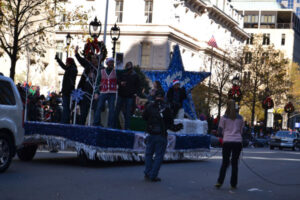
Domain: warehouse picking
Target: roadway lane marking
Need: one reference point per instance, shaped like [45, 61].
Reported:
[262, 158]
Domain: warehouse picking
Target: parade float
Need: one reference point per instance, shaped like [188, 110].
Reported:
[100, 143]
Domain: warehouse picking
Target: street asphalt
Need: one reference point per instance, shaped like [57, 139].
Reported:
[263, 174]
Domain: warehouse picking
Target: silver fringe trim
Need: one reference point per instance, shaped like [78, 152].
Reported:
[111, 154]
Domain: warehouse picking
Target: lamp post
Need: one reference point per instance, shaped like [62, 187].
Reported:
[68, 41]
[114, 34]
[95, 28]
[235, 92]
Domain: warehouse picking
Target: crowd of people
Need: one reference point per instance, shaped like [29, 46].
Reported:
[104, 88]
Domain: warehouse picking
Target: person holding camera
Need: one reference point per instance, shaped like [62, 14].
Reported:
[158, 117]
[68, 85]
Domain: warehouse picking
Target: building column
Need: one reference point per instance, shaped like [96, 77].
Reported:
[259, 18]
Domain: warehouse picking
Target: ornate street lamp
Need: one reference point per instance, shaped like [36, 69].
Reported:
[235, 81]
[235, 92]
[68, 41]
[114, 34]
[95, 28]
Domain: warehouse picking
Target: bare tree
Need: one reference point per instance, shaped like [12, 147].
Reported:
[28, 23]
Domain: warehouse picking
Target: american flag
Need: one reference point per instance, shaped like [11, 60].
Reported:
[212, 42]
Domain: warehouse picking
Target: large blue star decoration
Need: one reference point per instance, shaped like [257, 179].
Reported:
[176, 72]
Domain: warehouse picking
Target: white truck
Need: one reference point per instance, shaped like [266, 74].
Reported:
[11, 121]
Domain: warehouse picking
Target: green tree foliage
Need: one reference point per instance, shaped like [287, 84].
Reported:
[265, 74]
[28, 24]
[295, 88]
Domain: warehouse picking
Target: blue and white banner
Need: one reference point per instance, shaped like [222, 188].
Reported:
[111, 144]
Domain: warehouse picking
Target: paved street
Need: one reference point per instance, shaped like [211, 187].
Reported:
[60, 176]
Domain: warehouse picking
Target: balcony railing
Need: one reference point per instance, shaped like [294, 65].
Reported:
[269, 26]
[284, 25]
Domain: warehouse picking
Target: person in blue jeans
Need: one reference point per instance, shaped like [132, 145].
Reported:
[107, 87]
[129, 84]
[159, 119]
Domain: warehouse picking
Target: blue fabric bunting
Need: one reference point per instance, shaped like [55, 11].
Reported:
[107, 137]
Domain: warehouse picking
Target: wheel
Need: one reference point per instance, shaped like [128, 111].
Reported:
[27, 153]
[293, 148]
[6, 151]
[271, 147]
[297, 146]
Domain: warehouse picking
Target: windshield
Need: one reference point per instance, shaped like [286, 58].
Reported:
[286, 134]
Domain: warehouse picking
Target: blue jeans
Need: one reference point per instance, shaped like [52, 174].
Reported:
[155, 144]
[111, 98]
[127, 104]
[65, 119]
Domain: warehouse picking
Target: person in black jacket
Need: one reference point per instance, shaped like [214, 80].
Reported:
[175, 97]
[87, 80]
[68, 86]
[129, 85]
[159, 119]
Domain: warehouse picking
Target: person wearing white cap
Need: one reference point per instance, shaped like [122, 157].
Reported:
[107, 87]
[175, 97]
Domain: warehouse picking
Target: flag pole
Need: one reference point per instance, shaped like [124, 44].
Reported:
[209, 84]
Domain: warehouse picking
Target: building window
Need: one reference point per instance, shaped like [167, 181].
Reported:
[146, 49]
[148, 10]
[63, 17]
[290, 4]
[119, 10]
[298, 11]
[59, 48]
[266, 39]
[268, 19]
[251, 21]
[248, 58]
[283, 39]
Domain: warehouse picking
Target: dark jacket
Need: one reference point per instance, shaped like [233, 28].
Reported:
[132, 84]
[182, 96]
[159, 119]
[69, 78]
[85, 83]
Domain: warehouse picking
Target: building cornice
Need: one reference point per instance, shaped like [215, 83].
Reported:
[216, 12]
[242, 32]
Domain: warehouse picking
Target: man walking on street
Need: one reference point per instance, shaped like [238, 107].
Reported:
[159, 119]
[68, 86]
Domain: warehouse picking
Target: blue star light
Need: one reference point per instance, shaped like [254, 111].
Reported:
[77, 95]
[176, 72]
